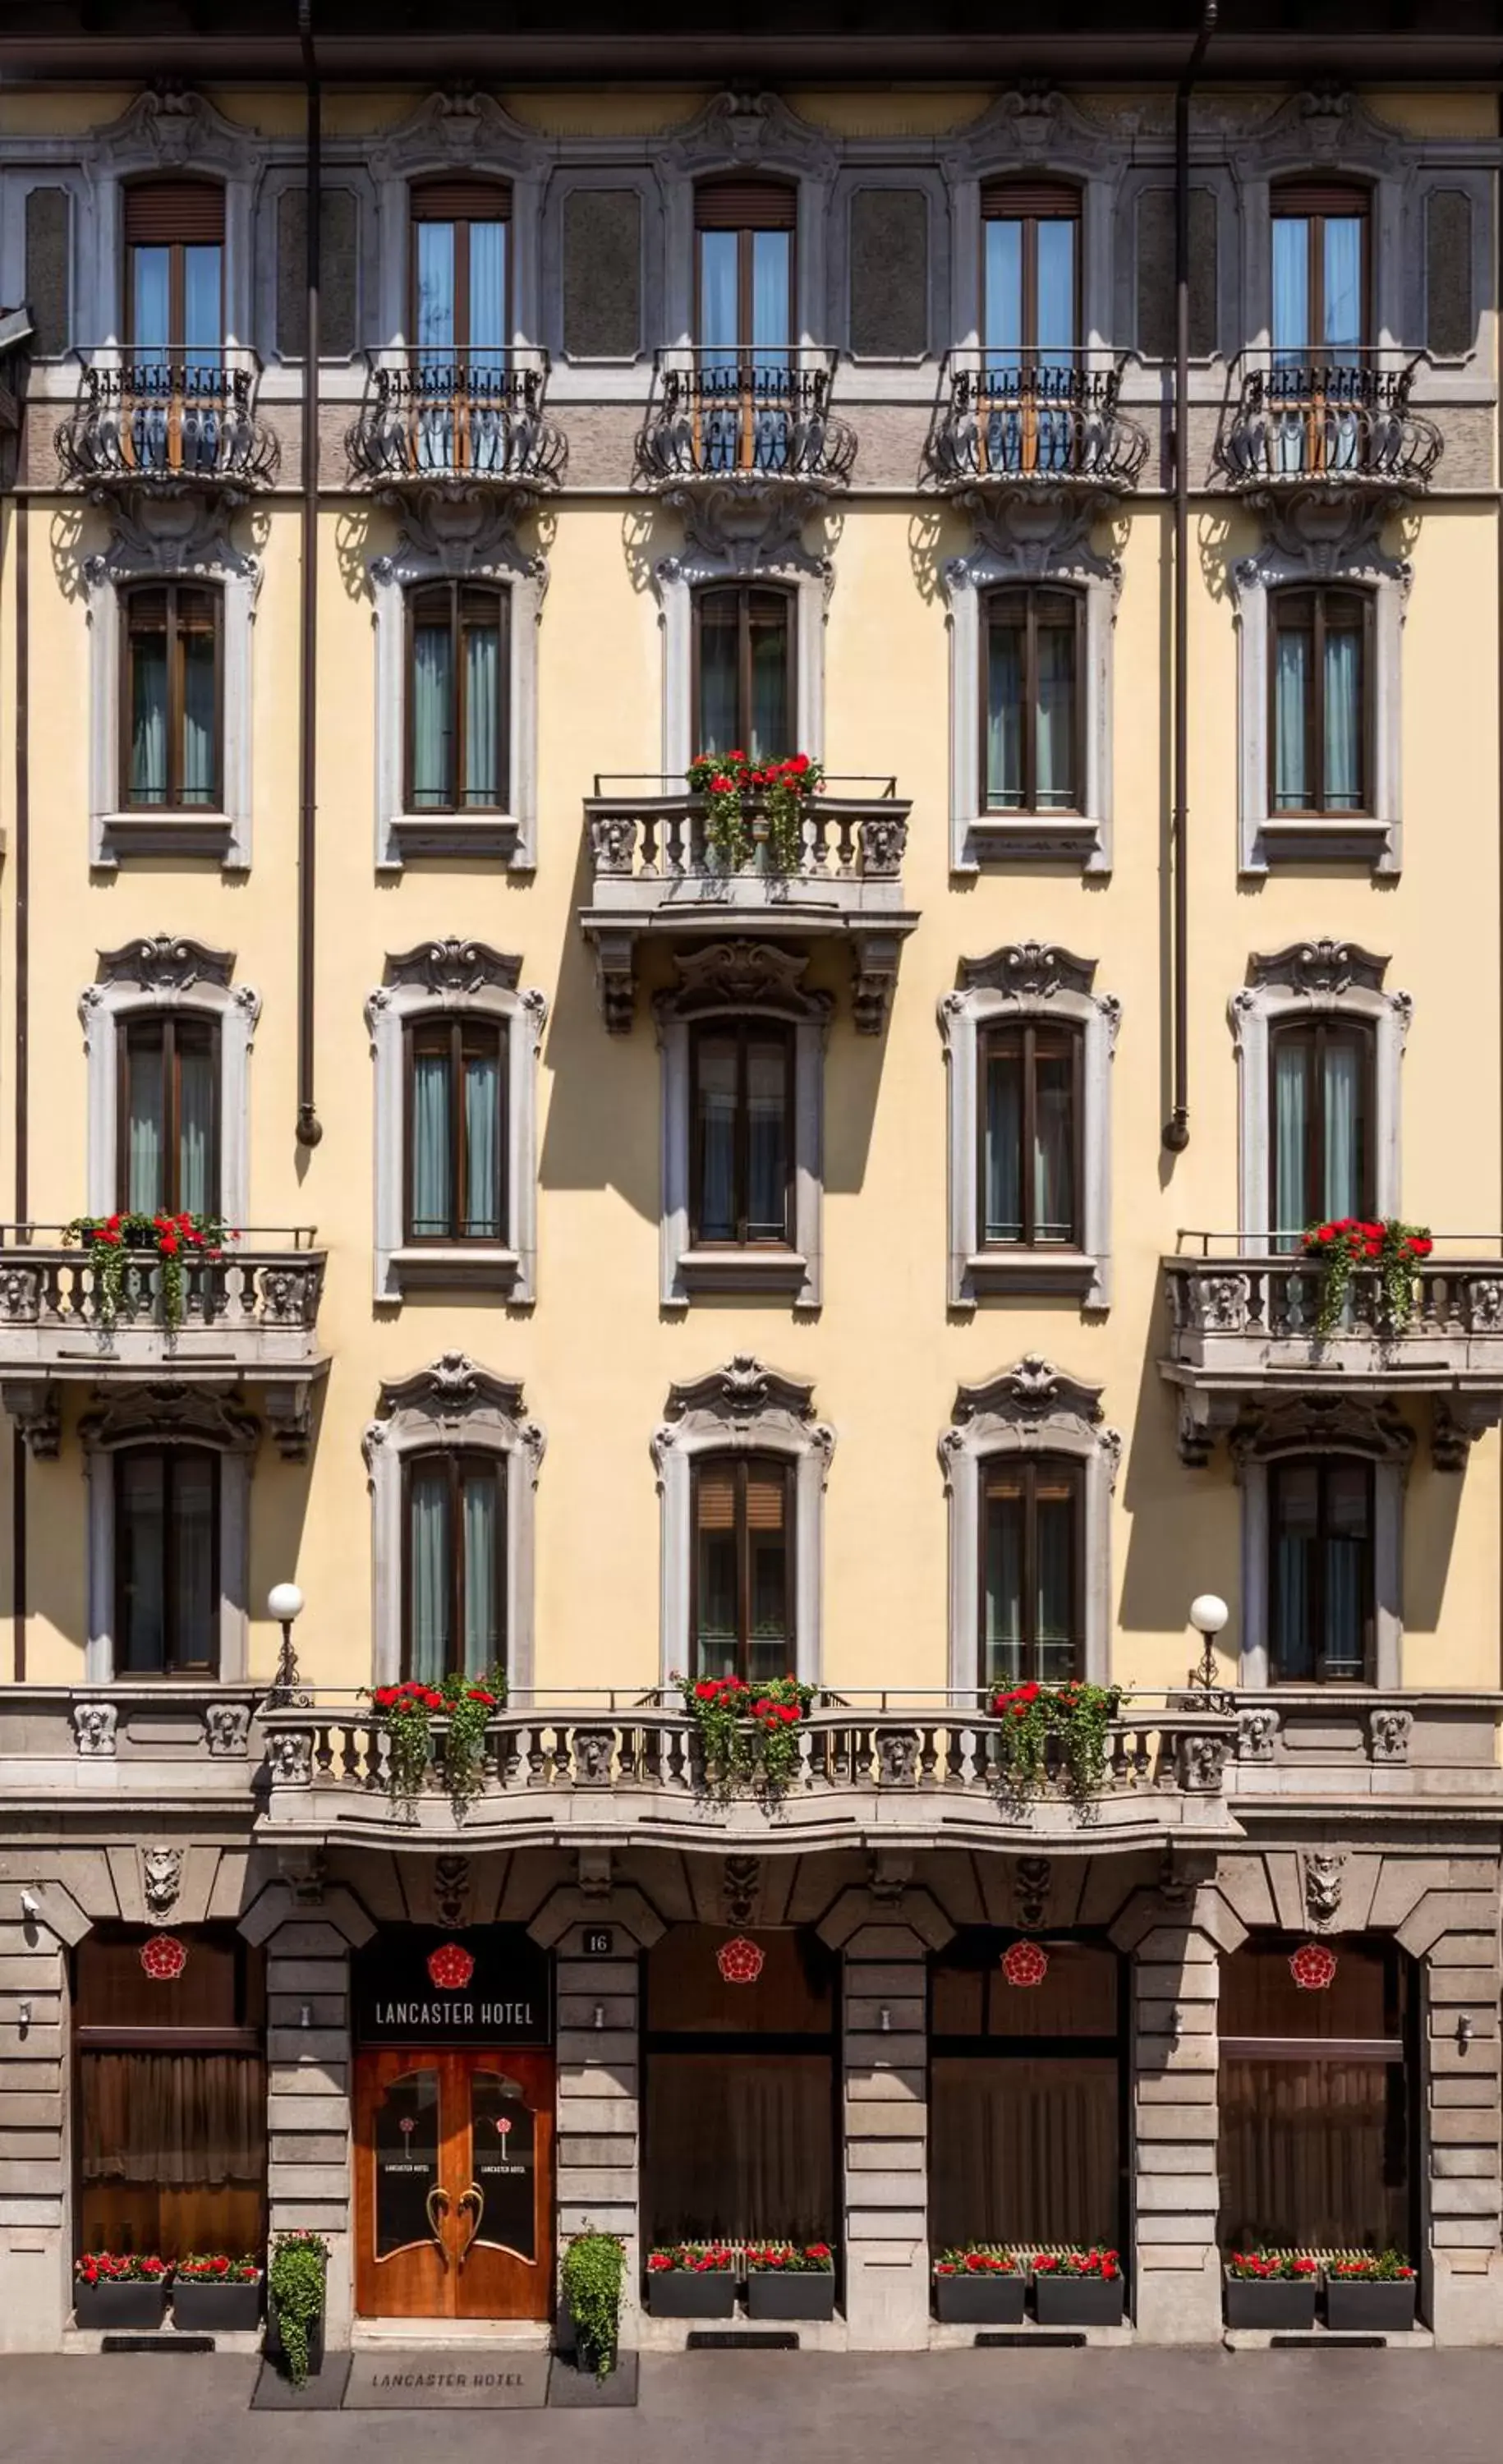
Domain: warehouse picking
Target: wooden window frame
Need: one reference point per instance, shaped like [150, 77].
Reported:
[1030, 202]
[995, 603]
[1025, 1468]
[740, 1465]
[742, 1029]
[745, 237]
[463, 349]
[1312, 1034]
[463, 1029]
[1322, 1464]
[457, 1461]
[1318, 598]
[1027, 1031]
[173, 340]
[456, 592]
[1314, 204]
[170, 1457]
[743, 593]
[167, 1024]
[131, 596]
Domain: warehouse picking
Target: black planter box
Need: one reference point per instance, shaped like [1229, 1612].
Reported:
[981, 2300]
[1286, 2303]
[205, 2301]
[1367, 2306]
[276, 2351]
[136, 2304]
[683, 2293]
[772, 2294]
[1077, 2301]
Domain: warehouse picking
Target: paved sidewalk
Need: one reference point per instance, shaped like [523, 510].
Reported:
[1127, 2408]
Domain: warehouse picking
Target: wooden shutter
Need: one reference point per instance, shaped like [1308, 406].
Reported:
[189, 212]
[1320, 197]
[462, 201]
[766, 1487]
[746, 205]
[717, 1498]
[1046, 199]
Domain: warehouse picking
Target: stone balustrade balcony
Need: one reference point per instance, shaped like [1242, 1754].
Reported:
[758, 418]
[655, 872]
[1006, 426]
[433, 420]
[170, 422]
[1243, 1329]
[1342, 427]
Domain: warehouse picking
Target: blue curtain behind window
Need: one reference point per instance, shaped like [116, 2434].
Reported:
[432, 1146]
[428, 1545]
[482, 1121]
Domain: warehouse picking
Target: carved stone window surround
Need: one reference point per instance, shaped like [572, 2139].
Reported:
[1326, 136]
[452, 1402]
[1309, 980]
[1042, 133]
[1319, 1426]
[1029, 980]
[458, 132]
[1314, 543]
[167, 1416]
[178, 538]
[743, 1407]
[164, 972]
[740, 132]
[443, 978]
[744, 531]
[1031, 1409]
[446, 535]
[731, 980]
[1043, 540]
[162, 133]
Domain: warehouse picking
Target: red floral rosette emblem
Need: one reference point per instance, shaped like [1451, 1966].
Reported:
[739, 1961]
[450, 1967]
[1313, 1967]
[1025, 1963]
[164, 1957]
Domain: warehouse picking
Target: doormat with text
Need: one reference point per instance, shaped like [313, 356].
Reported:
[446, 2379]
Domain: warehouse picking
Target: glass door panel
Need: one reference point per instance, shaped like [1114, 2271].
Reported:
[504, 2110]
[403, 2204]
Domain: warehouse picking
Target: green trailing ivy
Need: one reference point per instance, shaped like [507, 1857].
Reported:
[735, 789]
[406, 1713]
[1077, 1718]
[749, 1734]
[595, 2267]
[120, 1244]
[1388, 1249]
[296, 2281]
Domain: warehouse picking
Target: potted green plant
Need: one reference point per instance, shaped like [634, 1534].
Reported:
[1369, 2294]
[748, 1735]
[1271, 2289]
[691, 2280]
[124, 1243]
[1055, 1733]
[595, 2264]
[786, 2280]
[1388, 1251]
[296, 2282]
[977, 2284]
[212, 2291]
[113, 2288]
[405, 1716]
[1078, 2288]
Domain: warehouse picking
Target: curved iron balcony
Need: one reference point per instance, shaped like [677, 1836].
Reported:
[1347, 424]
[429, 419]
[1007, 424]
[170, 422]
[764, 416]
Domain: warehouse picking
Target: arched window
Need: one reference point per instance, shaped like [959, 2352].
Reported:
[453, 1590]
[458, 678]
[1032, 1612]
[1032, 701]
[1321, 1576]
[745, 686]
[741, 1593]
[1321, 1115]
[171, 699]
[1319, 728]
[167, 1562]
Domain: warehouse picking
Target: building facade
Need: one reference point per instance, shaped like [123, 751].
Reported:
[585, 1214]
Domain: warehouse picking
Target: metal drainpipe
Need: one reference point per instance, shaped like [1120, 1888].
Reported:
[309, 1128]
[1177, 1129]
[23, 1024]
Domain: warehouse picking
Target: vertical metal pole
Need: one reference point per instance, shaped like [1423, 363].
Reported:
[309, 1128]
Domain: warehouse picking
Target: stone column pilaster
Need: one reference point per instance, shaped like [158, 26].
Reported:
[1174, 2263]
[1461, 2201]
[36, 2171]
[885, 2102]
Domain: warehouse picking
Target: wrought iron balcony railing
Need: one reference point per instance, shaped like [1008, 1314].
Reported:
[432, 419]
[1344, 423]
[1009, 422]
[762, 416]
[170, 422]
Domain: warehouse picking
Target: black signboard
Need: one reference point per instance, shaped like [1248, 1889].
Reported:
[492, 1985]
[502, 2158]
[598, 1941]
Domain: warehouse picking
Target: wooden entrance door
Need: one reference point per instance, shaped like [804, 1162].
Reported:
[454, 2185]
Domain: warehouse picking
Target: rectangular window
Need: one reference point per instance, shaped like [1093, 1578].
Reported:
[459, 270]
[744, 268]
[1030, 1130]
[1322, 1102]
[744, 680]
[458, 681]
[1318, 682]
[1321, 1575]
[167, 1140]
[1032, 1527]
[456, 1131]
[174, 273]
[453, 1596]
[1032, 656]
[1320, 275]
[741, 1611]
[172, 730]
[167, 1562]
[1030, 244]
[741, 1164]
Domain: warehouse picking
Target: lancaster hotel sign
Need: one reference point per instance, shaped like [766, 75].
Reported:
[492, 1986]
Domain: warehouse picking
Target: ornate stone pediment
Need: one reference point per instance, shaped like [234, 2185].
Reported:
[1032, 1389]
[742, 1389]
[1328, 127]
[463, 131]
[172, 1415]
[1028, 970]
[447, 1392]
[742, 131]
[1327, 967]
[173, 129]
[461, 532]
[740, 974]
[186, 532]
[165, 962]
[1345, 1424]
[1034, 127]
[453, 966]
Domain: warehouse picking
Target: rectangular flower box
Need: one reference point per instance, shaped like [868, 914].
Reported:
[135, 2303]
[275, 2350]
[981, 2300]
[690, 2293]
[205, 2304]
[1273, 2303]
[773, 2294]
[1077, 2301]
[1369, 2305]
